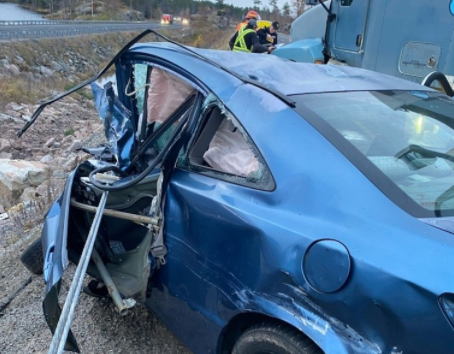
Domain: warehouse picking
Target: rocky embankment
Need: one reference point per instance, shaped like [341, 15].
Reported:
[33, 168]
[36, 165]
[49, 149]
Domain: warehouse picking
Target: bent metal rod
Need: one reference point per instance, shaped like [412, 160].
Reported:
[118, 214]
[67, 315]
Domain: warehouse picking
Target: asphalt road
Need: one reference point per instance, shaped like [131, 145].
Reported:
[28, 31]
[283, 38]
[8, 33]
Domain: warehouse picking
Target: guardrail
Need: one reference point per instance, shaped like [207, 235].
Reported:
[56, 32]
[67, 22]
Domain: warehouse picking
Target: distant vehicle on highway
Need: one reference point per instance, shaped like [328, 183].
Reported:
[407, 39]
[166, 19]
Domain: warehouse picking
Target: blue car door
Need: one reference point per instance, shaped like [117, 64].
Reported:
[212, 232]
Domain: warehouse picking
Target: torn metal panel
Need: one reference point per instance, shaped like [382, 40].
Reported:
[118, 125]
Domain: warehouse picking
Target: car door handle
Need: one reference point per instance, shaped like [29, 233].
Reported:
[359, 40]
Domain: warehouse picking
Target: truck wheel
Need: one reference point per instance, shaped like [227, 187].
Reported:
[32, 258]
[274, 338]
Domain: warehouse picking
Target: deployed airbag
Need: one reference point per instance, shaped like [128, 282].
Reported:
[229, 152]
[165, 94]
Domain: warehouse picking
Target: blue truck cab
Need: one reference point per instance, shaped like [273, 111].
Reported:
[404, 38]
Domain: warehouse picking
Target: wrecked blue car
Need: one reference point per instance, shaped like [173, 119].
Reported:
[259, 205]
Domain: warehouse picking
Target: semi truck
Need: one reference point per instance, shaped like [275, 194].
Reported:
[166, 19]
[410, 39]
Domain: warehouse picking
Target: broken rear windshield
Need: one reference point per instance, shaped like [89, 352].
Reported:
[403, 136]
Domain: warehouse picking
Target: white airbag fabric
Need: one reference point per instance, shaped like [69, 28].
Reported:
[165, 94]
[229, 152]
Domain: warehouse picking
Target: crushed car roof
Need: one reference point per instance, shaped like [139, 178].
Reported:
[283, 75]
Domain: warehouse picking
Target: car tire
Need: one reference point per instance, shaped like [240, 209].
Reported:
[32, 258]
[274, 338]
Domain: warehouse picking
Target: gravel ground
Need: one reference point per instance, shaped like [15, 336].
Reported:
[97, 327]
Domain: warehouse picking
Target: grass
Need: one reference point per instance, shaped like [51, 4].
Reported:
[24, 88]
[84, 91]
[69, 131]
[94, 50]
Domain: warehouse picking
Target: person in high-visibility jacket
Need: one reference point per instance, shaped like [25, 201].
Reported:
[246, 40]
[268, 35]
[251, 15]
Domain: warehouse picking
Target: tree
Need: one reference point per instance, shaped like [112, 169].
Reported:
[219, 4]
[299, 6]
[257, 4]
[274, 8]
[286, 10]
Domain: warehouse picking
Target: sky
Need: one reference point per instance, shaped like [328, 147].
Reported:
[250, 3]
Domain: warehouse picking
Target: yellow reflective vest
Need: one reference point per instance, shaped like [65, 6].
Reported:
[240, 43]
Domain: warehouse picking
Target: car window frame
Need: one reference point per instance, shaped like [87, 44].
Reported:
[127, 62]
[385, 184]
[124, 73]
[265, 183]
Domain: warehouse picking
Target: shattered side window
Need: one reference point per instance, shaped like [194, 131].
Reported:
[223, 150]
[140, 86]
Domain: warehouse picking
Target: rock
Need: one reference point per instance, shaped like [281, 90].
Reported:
[13, 113]
[5, 118]
[17, 175]
[6, 155]
[35, 178]
[5, 145]
[59, 174]
[4, 62]
[3, 72]
[51, 186]
[71, 162]
[56, 66]
[13, 69]
[45, 71]
[35, 70]
[48, 159]
[14, 107]
[67, 140]
[29, 194]
[50, 142]
[76, 145]
[2, 209]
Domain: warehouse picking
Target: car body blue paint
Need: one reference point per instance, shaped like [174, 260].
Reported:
[283, 75]
[327, 265]
[235, 249]
[256, 235]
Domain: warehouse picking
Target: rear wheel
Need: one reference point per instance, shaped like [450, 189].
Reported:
[274, 338]
[32, 258]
